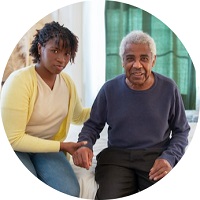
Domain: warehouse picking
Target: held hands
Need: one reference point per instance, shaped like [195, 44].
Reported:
[71, 147]
[83, 157]
[160, 168]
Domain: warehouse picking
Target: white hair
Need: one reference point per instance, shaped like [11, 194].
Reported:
[137, 37]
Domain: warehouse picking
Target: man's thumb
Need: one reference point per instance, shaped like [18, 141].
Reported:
[79, 144]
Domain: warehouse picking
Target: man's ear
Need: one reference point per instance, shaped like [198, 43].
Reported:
[122, 61]
[154, 61]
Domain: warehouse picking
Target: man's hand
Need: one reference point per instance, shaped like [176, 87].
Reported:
[160, 168]
[71, 147]
[83, 157]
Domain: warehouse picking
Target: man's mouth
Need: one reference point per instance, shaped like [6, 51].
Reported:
[137, 73]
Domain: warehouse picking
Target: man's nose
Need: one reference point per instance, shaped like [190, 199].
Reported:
[137, 64]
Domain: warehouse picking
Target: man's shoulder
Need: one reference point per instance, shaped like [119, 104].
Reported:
[111, 84]
[115, 79]
[164, 79]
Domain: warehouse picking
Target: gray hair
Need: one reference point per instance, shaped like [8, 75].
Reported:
[137, 37]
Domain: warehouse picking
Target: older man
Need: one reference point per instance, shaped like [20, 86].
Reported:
[147, 125]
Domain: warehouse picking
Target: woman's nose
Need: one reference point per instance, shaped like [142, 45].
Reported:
[60, 58]
[63, 58]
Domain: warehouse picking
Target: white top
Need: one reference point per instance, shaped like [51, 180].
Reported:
[50, 109]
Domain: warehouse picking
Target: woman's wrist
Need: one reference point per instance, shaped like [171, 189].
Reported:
[61, 146]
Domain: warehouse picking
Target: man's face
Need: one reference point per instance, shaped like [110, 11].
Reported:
[138, 62]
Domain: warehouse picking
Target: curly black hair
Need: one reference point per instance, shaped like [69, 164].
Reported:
[54, 30]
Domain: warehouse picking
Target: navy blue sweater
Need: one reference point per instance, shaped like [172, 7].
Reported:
[153, 118]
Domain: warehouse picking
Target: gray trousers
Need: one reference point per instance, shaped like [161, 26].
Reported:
[123, 172]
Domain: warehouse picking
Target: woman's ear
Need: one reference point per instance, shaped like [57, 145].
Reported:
[39, 48]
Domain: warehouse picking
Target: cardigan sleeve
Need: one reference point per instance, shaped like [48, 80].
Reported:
[77, 113]
[15, 107]
[81, 114]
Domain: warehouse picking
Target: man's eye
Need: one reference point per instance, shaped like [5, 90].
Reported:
[129, 59]
[144, 59]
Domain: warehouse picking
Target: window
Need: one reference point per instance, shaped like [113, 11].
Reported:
[173, 59]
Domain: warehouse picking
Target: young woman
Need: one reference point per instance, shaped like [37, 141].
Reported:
[39, 102]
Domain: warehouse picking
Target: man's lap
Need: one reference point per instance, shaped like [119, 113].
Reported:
[122, 172]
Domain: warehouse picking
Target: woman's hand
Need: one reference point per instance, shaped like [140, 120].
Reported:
[71, 147]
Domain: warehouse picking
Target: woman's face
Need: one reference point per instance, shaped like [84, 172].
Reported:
[53, 57]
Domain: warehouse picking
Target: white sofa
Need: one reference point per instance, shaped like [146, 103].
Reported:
[85, 177]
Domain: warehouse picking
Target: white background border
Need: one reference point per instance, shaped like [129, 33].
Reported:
[17, 17]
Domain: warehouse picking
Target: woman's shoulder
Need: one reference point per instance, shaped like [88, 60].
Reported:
[25, 72]
[67, 79]
[23, 76]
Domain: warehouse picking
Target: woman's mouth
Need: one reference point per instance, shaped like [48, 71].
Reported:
[59, 67]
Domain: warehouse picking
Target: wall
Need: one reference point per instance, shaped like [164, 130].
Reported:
[86, 20]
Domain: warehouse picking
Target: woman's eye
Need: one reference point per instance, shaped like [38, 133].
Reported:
[67, 54]
[55, 51]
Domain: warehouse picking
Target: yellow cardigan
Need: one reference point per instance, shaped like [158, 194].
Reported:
[18, 96]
